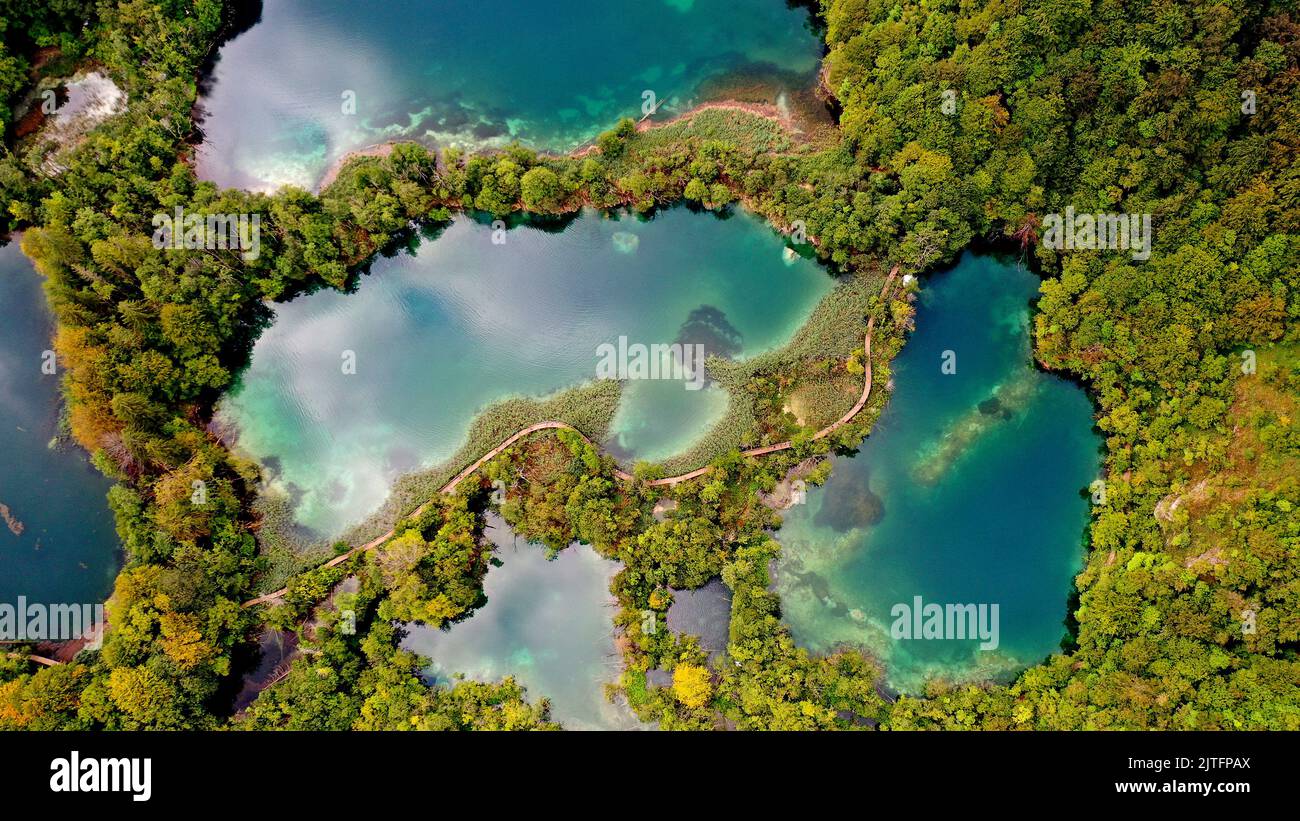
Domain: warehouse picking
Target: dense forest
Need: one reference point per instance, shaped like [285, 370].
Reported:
[960, 123]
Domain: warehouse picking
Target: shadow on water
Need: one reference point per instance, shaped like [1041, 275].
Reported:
[708, 326]
[238, 16]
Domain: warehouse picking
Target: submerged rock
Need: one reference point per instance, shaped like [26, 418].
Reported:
[1007, 399]
[15, 527]
[993, 407]
[626, 242]
[818, 585]
[850, 506]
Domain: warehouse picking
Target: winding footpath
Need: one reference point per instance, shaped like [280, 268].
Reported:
[621, 474]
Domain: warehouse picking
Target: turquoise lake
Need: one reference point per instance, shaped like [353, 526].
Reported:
[968, 491]
[439, 335]
[66, 550]
[315, 79]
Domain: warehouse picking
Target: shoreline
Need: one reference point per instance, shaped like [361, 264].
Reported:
[379, 150]
[767, 111]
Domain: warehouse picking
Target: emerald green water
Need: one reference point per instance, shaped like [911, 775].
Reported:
[67, 550]
[549, 73]
[966, 492]
[441, 334]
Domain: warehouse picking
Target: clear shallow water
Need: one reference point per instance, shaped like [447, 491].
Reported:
[463, 323]
[547, 623]
[550, 73]
[68, 550]
[952, 498]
